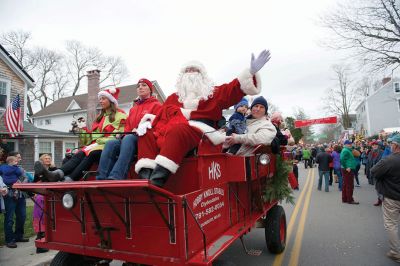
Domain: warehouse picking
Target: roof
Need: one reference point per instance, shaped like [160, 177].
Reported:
[16, 67]
[126, 95]
[31, 130]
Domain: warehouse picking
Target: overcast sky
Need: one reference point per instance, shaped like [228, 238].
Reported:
[155, 38]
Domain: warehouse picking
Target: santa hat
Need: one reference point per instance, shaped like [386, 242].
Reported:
[194, 64]
[111, 94]
[68, 151]
[148, 82]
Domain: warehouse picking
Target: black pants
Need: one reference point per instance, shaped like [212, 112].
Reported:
[79, 163]
[307, 162]
[330, 176]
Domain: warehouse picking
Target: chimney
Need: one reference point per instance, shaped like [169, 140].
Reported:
[385, 80]
[93, 90]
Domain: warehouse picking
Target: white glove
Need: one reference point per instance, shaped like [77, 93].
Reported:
[257, 63]
[142, 128]
[147, 117]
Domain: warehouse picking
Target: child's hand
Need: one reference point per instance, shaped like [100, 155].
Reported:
[230, 140]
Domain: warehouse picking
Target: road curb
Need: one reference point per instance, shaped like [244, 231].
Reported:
[25, 254]
[45, 262]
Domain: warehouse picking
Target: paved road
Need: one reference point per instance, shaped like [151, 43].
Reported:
[321, 231]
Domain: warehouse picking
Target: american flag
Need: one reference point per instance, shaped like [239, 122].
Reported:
[13, 119]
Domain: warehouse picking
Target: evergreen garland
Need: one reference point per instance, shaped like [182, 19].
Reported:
[277, 187]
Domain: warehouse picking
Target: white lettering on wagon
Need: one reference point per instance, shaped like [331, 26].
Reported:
[208, 193]
[214, 171]
[210, 204]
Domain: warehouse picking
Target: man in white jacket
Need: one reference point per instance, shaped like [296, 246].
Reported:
[259, 129]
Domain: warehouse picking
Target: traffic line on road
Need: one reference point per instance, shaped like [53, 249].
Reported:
[279, 258]
[295, 254]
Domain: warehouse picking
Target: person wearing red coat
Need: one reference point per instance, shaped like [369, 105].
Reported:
[119, 154]
[188, 115]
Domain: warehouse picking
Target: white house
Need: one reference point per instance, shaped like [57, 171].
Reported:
[380, 109]
[60, 114]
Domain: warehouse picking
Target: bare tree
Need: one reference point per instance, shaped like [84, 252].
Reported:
[369, 29]
[43, 65]
[342, 98]
[329, 132]
[114, 72]
[368, 85]
[54, 73]
[80, 58]
[16, 43]
[49, 85]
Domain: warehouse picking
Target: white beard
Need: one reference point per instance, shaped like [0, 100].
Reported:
[193, 87]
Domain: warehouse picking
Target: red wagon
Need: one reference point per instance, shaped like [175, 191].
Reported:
[211, 201]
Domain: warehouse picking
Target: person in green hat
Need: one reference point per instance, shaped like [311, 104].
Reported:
[348, 165]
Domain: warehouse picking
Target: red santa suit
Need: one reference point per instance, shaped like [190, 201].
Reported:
[179, 127]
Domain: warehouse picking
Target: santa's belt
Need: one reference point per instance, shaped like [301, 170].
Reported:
[208, 122]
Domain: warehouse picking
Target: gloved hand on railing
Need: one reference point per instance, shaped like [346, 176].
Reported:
[142, 128]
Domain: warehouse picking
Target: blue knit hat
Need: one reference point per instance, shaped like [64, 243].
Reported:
[347, 142]
[395, 138]
[260, 100]
[243, 102]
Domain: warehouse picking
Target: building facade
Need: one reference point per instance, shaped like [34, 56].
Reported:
[32, 142]
[380, 109]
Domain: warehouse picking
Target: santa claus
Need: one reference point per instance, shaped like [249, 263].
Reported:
[188, 115]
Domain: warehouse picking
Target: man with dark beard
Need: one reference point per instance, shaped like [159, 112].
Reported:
[188, 114]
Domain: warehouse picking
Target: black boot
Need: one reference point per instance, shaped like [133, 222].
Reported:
[159, 176]
[40, 250]
[46, 175]
[145, 173]
[39, 169]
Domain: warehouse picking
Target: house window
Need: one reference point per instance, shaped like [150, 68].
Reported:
[45, 147]
[398, 104]
[3, 94]
[40, 122]
[70, 145]
[12, 145]
[47, 121]
[396, 87]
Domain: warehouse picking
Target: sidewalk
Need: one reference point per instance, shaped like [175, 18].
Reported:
[25, 255]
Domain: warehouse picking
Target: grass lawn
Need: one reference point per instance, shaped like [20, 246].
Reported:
[28, 224]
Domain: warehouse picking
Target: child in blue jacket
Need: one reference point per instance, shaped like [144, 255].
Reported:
[3, 192]
[10, 172]
[237, 123]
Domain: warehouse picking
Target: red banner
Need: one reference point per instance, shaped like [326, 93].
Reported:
[306, 123]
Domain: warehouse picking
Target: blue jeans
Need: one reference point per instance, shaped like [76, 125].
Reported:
[117, 157]
[326, 177]
[338, 172]
[17, 206]
[356, 173]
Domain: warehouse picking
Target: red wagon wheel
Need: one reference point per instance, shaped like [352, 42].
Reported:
[69, 259]
[275, 230]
